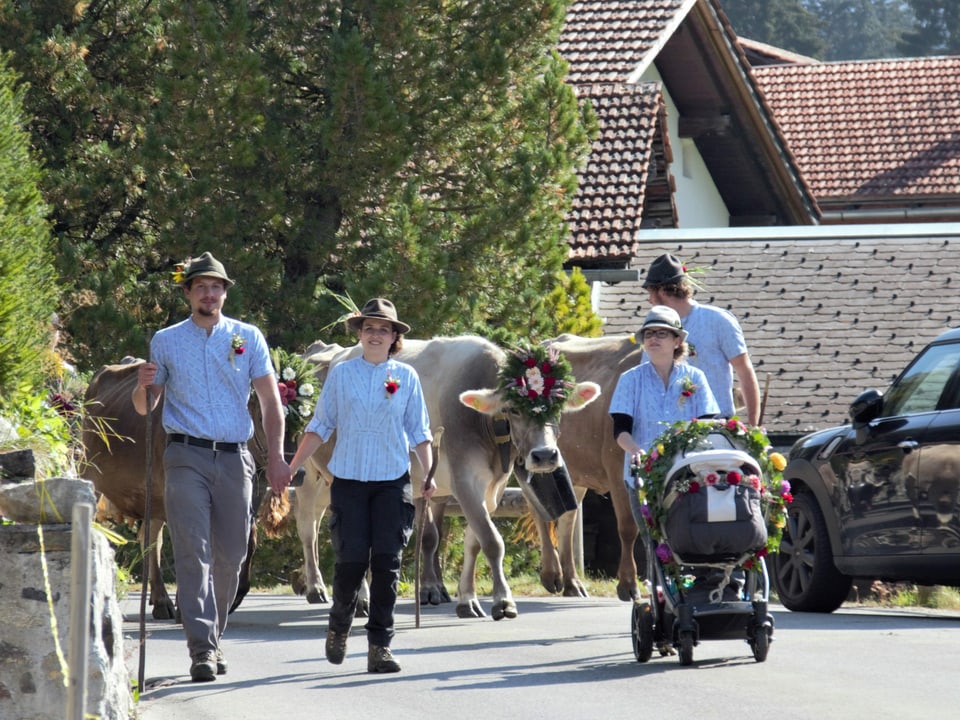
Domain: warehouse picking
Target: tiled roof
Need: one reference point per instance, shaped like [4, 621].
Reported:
[606, 40]
[871, 129]
[825, 318]
[627, 168]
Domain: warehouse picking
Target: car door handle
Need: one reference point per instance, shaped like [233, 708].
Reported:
[908, 445]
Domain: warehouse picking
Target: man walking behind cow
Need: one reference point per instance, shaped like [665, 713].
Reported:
[715, 338]
[205, 366]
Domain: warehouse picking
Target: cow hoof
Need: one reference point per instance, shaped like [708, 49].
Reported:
[504, 609]
[471, 610]
[164, 610]
[297, 583]
[363, 608]
[317, 596]
[575, 589]
[552, 584]
[627, 592]
[433, 596]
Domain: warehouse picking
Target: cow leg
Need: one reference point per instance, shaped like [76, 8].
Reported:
[627, 588]
[482, 534]
[551, 576]
[152, 547]
[432, 590]
[309, 504]
[566, 525]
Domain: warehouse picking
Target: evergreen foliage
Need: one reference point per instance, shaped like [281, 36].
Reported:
[27, 280]
[421, 151]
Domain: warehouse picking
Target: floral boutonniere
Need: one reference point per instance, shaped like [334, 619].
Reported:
[391, 385]
[237, 347]
[687, 389]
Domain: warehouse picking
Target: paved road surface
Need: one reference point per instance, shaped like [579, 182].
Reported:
[561, 658]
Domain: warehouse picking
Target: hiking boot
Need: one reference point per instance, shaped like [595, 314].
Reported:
[221, 662]
[204, 667]
[336, 646]
[380, 660]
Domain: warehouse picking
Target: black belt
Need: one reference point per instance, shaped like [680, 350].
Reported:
[204, 443]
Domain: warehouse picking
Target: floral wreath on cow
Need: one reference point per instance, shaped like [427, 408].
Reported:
[298, 392]
[536, 382]
[685, 436]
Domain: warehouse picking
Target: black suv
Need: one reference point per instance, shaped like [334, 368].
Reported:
[878, 498]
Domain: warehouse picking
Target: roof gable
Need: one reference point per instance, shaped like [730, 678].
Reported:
[626, 181]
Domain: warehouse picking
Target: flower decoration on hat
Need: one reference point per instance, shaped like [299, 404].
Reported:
[179, 273]
[298, 393]
[536, 381]
[684, 437]
[238, 346]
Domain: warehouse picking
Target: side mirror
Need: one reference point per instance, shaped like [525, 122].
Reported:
[866, 407]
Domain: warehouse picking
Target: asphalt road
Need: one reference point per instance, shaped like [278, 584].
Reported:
[561, 658]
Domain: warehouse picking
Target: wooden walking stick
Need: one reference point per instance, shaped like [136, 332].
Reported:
[147, 510]
[763, 400]
[420, 525]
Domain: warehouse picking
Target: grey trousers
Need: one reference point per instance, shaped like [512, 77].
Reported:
[208, 497]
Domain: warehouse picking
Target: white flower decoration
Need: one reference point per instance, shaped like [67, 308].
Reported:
[289, 374]
[306, 390]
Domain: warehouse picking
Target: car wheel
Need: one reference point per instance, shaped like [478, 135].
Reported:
[804, 574]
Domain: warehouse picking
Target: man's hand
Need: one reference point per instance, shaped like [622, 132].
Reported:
[279, 475]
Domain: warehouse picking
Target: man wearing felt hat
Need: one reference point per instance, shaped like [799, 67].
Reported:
[715, 341]
[376, 406]
[204, 367]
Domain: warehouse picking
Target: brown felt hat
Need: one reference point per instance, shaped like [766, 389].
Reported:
[207, 265]
[377, 309]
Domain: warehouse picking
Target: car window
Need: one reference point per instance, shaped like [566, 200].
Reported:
[929, 384]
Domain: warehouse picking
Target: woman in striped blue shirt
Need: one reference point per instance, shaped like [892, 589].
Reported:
[376, 405]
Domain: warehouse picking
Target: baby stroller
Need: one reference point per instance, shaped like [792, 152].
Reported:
[712, 521]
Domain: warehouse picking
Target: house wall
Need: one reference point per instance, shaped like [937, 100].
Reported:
[698, 202]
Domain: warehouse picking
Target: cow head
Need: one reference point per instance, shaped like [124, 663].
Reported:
[535, 387]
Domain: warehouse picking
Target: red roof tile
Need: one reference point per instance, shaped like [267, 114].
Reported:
[605, 40]
[871, 130]
[612, 191]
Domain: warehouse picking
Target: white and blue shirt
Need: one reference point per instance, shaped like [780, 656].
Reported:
[715, 338]
[376, 430]
[206, 384]
[641, 394]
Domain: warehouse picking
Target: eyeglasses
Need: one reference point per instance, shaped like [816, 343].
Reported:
[658, 334]
[381, 331]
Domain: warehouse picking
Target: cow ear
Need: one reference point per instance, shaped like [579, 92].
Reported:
[483, 401]
[583, 394]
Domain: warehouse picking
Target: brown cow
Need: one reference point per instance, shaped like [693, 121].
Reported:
[594, 462]
[114, 459]
[459, 377]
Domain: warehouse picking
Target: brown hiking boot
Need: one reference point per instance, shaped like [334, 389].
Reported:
[336, 646]
[204, 667]
[380, 660]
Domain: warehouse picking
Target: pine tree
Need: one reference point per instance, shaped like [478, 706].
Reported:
[27, 281]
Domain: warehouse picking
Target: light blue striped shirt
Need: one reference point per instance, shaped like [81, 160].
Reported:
[640, 393]
[205, 395]
[715, 338]
[375, 430]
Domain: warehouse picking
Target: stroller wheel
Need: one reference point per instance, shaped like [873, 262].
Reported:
[641, 631]
[686, 647]
[760, 642]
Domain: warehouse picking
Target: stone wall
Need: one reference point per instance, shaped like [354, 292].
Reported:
[31, 670]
